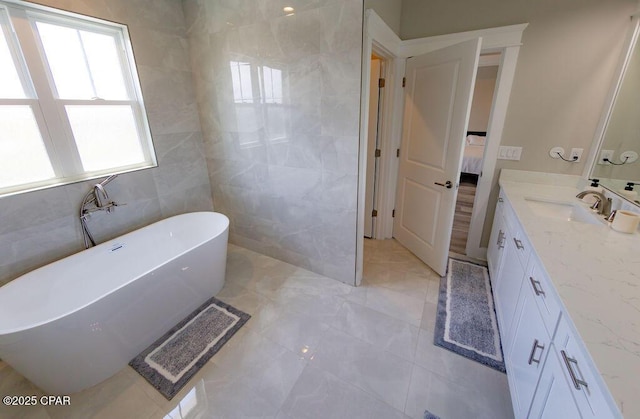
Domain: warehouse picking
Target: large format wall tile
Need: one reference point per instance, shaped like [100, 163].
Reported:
[279, 100]
[40, 227]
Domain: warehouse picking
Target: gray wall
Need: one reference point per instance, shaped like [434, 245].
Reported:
[389, 10]
[482, 98]
[39, 227]
[565, 68]
[285, 174]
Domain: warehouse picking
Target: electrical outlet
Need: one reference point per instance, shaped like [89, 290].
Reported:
[576, 154]
[605, 154]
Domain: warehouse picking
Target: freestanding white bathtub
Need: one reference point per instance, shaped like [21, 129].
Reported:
[73, 323]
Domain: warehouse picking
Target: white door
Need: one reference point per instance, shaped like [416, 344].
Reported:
[438, 94]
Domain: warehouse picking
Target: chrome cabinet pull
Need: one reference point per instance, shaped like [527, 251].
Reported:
[537, 288]
[533, 352]
[501, 237]
[519, 245]
[567, 362]
[500, 200]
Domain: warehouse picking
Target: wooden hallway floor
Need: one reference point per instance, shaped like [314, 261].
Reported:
[462, 217]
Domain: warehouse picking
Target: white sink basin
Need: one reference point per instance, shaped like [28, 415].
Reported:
[568, 211]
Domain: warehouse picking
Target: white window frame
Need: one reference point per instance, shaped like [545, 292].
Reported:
[49, 110]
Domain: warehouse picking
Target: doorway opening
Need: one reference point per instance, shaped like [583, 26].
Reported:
[474, 149]
[376, 104]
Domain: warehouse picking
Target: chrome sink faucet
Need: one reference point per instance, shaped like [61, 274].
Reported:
[602, 204]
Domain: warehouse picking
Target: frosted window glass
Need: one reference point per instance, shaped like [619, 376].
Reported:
[11, 86]
[105, 66]
[106, 136]
[23, 158]
[84, 65]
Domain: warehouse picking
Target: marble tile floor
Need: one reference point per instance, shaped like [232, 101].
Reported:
[314, 348]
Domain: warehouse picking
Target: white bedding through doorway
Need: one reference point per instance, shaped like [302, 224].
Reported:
[472, 160]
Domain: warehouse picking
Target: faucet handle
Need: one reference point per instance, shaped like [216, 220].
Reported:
[112, 205]
[611, 216]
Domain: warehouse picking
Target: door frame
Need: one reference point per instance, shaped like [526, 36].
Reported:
[505, 40]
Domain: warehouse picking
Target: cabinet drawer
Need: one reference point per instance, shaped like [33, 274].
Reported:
[495, 250]
[545, 295]
[589, 391]
[554, 395]
[526, 352]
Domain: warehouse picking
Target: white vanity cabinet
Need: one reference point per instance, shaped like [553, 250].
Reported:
[507, 282]
[588, 389]
[554, 398]
[497, 240]
[549, 370]
[527, 352]
[569, 386]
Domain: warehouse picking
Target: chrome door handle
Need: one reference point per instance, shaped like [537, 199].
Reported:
[447, 184]
[535, 284]
[501, 237]
[567, 362]
[518, 243]
[533, 352]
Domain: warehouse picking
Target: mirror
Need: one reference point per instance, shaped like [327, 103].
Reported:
[619, 129]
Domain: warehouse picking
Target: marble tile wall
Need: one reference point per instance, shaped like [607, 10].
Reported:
[278, 94]
[39, 227]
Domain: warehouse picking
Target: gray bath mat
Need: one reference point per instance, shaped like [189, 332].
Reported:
[466, 322]
[174, 358]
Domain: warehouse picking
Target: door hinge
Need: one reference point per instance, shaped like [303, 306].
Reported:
[381, 83]
[378, 152]
[393, 213]
[404, 81]
[398, 152]
[374, 213]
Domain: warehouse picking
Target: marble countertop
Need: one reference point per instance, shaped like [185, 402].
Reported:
[596, 273]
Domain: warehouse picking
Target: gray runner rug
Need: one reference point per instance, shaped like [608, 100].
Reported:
[172, 360]
[466, 321]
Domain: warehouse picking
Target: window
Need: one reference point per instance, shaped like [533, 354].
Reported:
[70, 102]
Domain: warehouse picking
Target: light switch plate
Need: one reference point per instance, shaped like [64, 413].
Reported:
[509, 153]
